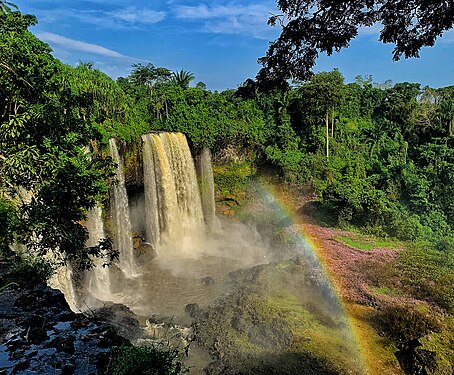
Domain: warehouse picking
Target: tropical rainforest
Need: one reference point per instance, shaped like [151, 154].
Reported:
[377, 157]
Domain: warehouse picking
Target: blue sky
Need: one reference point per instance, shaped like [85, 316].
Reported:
[219, 41]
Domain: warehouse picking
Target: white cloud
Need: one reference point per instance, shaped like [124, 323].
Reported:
[202, 11]
[133, 15]
[230, 19]
[77, 45]
[121, 18]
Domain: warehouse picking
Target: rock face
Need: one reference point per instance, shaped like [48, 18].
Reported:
[39, 334]
[121, 318]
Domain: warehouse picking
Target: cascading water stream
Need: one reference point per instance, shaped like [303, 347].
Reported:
[171, 220]
[205, 173]
[99, 276]
[152, 218]
[122, 232]
[172, 199]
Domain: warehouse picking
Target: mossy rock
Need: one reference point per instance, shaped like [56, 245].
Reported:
[271, 322]
[231, 180]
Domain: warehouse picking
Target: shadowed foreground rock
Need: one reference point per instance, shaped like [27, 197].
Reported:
[39, 334]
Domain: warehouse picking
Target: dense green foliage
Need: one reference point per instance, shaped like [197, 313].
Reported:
[33, 269]
[311, 27]
[208, 119]
[380, 156]
[147, 360]
[232, 179]
[52, 119]
[8, 222]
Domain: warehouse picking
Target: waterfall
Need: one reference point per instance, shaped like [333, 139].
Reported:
[99, 277]
[95, 226]
[153, 231]
[63, 280]
[205, 172]
[172, 198]
[121, 224]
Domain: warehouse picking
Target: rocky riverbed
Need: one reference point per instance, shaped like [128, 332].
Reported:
[39, 334]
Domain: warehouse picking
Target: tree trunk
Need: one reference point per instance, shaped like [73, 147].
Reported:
[332, 124]
[327, 133]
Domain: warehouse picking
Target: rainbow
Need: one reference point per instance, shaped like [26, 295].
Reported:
[312, 252]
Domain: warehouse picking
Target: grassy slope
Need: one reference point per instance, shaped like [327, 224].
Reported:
[366, 268]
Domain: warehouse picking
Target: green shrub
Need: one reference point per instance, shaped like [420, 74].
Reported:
[446, 246]
[156, 359]
[296, 165]
[427, 274]
[34, 269]
[404, 322]
[406, 226]
[232, 179]
[356, 201]
[8, 221]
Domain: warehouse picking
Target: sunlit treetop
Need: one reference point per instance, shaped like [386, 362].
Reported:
[311, 27]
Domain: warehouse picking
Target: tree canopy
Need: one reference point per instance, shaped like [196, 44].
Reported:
[51, 118]
[311, 27]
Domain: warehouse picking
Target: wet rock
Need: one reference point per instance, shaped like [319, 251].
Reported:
[164, 328]
[161, 320]
[63, 344]
[192, 309]
[239, 324]
[146, 253]
[143, 250]
[208, 280]
[39, 334]
[21, 365]
[36, 329]
[121, 317]
[270, 336]
[258, 326]
[68, 369]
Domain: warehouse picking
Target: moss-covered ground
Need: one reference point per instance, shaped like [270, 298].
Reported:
[367, 242]
[271, 323]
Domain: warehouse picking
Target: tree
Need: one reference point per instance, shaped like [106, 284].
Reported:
[324, 93]
[447, 115]
[398, 106]
[311, 27]
[148, 75]
[49, 114]
[182, 78]
[5, 6]
[201, 85]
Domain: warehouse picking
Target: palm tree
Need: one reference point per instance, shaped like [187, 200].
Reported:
[182, 78]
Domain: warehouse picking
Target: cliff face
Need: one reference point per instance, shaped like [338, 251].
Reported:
[133, 165]
[40, 334]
